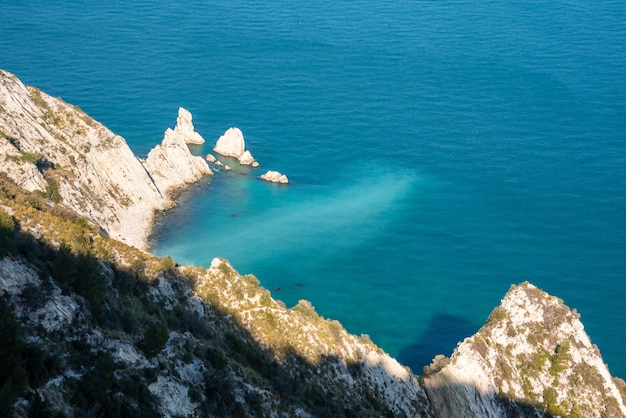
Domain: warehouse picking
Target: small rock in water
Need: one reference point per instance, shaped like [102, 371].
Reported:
[275, 177]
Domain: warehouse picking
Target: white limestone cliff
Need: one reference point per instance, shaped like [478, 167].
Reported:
[532, 353]
[48, 144]
[184, 127]
[275, 177]
[171, 164]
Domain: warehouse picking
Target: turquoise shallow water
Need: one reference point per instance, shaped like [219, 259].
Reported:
[437, 151]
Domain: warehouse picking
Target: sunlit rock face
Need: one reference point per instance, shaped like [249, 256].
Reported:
[51, 143]
[231, 143]
[171, 164]
[246, 158]
[54, 147]
[275, 177]
[185, 128]
[532, 353]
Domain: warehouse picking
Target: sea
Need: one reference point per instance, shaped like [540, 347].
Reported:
[438, 151]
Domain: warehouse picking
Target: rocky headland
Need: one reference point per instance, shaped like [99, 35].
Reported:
[92, 326]
[533, 350]
[55, 148]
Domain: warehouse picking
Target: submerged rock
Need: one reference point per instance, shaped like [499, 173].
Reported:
[184, 127]
[275, 177]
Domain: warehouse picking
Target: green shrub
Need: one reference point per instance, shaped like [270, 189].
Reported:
[52, 191]
[7, 232]
[560, 359]
[167, 264]
[80, 273]
[13, 376]
[155, 338]
[32, 157]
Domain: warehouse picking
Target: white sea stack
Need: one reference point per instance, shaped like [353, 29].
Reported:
[246, 158]
[211, 158]
[170, 163]
[231, 144]
[275, 177]
[184, 127]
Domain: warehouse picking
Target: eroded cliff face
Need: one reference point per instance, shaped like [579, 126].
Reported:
[533, 353]
[51, 146]
[170, 163]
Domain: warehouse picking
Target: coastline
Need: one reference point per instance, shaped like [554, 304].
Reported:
[55, 148]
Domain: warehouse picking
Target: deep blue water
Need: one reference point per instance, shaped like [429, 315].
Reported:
[438, 151]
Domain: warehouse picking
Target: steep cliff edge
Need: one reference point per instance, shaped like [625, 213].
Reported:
[532, 353]
[53, 147]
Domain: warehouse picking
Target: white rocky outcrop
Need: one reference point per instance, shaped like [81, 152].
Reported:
[26, 176]
[171, 164]
[232, 144]
[185, 128]
[275, 177]
[101, 178]
[246, 158]
[533, 350]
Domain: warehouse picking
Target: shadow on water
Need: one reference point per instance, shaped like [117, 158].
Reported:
[442, 335]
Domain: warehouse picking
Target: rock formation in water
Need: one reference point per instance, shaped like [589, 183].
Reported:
[232, 144]
[533, 353]
[53, 147]
[275, 177]
[247, 159]
[171, 164]
[184, 127]
[96, 326]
